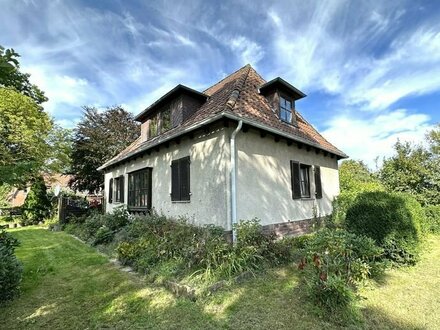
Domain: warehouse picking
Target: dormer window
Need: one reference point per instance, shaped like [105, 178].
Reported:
[286, 109]
[154, 126]
[166, 120]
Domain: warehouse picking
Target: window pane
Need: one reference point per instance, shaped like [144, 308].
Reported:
[166, 120]
[138, 187]
[153, 126]
[282, 102]
[288, 105]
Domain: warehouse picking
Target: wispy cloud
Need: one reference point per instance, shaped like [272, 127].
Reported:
[364, 57]
[374, 136]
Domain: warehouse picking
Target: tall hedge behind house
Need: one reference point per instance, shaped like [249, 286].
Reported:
[393, 220]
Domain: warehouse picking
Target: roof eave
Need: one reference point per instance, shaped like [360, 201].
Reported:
[280, 81]
[339, 155]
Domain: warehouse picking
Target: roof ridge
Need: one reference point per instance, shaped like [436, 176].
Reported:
[238, 86]
[229, 75]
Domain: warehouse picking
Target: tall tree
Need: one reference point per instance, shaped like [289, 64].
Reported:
[24, 128]
[37, 205]
[60, 141]
[433, 138]
[355, 176]
[97, 138]
[415, 170]
[10, 76]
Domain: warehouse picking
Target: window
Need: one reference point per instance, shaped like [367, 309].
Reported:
[139, 189]
[304, 180]
[300, 177]
[110, 191]
[318, 185]
[154, 126]
[180, 179]
[166, 120]
[119, 189]
[286, 106]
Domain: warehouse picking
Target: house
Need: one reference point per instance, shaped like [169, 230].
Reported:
[238, 150]
[17, 196]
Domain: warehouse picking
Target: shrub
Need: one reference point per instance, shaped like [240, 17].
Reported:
[393, 220]
[37, 205]
[103, 235]
[432, 218]
[10, 268]
[335, 263]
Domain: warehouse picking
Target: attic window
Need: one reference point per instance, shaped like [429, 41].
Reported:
[154, 126]
[166, 120]
[286, 109]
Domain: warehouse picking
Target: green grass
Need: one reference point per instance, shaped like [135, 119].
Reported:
[68, 285]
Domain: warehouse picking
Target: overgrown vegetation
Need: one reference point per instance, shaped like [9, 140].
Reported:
[10, 268]
[68, 285]
[158, 246]
[393, 220]
[432, 218]
[335, 264]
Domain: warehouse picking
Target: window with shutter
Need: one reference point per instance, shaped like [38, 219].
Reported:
[180, 180]
[110, 191]
[318, 185]
[300, 176]
[139, 189]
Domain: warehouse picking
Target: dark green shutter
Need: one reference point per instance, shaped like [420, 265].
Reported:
[175, 185]
[318, 186]
[122, 188]
[184, 165]
[110, 191]
[296, 188]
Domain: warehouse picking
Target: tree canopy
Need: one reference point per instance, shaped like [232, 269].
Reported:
[97, 138]
[10, 76]
[414, 169]
[23, 133]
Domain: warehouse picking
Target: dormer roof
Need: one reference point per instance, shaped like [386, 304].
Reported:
[172, 94]
[280, 84]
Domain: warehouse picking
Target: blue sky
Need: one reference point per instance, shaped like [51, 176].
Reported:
[371, 69]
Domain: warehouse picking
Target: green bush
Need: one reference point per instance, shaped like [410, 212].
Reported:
[150, 241]
[393, 220]
[103, 235]
[37, 205]
[432, 218]
[10, 268]
[334, 264]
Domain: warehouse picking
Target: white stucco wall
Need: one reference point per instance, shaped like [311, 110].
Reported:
[208, 178]
[264, 180]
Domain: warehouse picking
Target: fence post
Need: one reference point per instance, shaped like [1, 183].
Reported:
[61, 209]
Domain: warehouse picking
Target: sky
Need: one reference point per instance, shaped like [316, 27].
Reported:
[370, 69]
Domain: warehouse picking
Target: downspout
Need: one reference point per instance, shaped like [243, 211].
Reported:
[234, 182]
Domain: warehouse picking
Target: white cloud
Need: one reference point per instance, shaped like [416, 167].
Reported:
[368, 138]
[249, 51]
[345, 53]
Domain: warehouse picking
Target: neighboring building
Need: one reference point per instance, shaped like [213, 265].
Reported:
[18, 195]
[239, 150]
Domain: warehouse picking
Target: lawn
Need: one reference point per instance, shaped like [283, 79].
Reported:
[68, 285]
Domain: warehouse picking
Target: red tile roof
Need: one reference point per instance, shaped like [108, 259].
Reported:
[236, 96]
